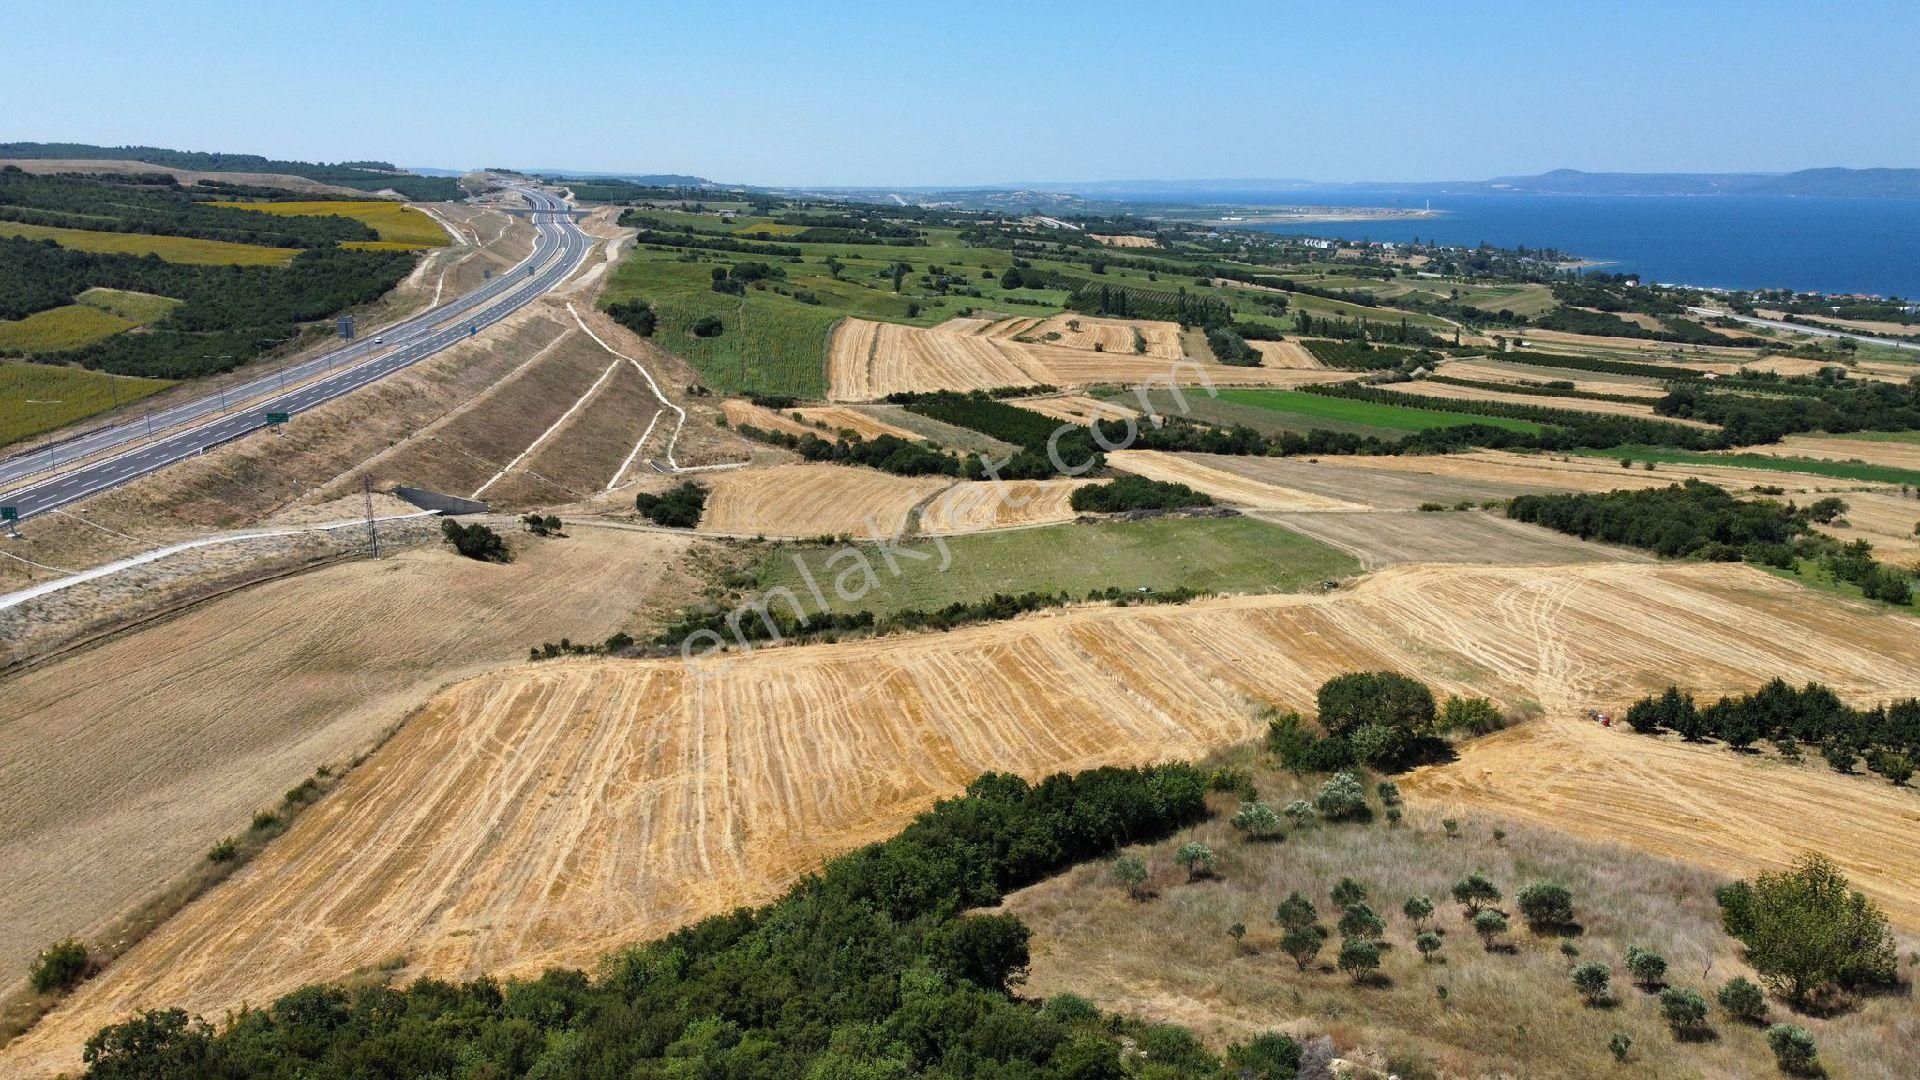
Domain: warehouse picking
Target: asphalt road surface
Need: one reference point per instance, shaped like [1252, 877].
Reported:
[1804, 328]
[52, 476]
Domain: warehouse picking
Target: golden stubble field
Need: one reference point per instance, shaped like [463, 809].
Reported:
[542, 815]
[124, 762]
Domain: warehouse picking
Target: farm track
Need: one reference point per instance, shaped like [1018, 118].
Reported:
[542, 815]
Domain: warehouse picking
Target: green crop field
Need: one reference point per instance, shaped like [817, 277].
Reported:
[41, 397]
[1209, 554]
[139, 307]
[401, 227]
[178, 249]
[1837, 470]
[59, 329]
[1400, 418]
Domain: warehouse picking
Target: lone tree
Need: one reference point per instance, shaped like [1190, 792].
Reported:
[475, 541]
[1382, 715]
[1418, 909]
[1257, 820]
[1359, 957]
[1546, 906]
[1592, 980]
[1133, 874]
[1428, 943]
[1648, 968]
[59, 966]
[1474, 891]
[1489, 924]
[1805, 929]
[1303, 944]
[1197, 858]
[1296, 911]
[1743, 1000]
[1341, 798]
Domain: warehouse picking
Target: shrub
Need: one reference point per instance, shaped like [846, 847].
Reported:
[678, 508]
[1743, 1000]
[1428, 943]
[1806, 929]
[1341, 798]
[1489, 924]
[1896, 767]
[1793, 1049]
[1348, 892]
[1136, 493]
[1295, 912]
[1389, 793]
[635, 315]
[1476, 716]
[1620, 1045]
[1133, 874]
[1592, 980]
[59, 966]
[1684, 1009]
[1418, 908]
[1303, 944]
[1197, 858]
[707, 326]
[476, 541]
[1257, 820]
[1300, 812]
[1359, 957]
[1546, 906]
[224, 851]
[1272, 1056]
[1475, 890]
[1359, 920]
[1648, 968]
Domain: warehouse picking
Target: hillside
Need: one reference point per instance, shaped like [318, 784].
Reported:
[369, 176]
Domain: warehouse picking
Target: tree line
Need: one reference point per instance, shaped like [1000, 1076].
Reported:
[102, 205]
[1885, 737]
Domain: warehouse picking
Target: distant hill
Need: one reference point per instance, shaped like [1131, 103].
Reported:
[359, 175]
[1858, 183]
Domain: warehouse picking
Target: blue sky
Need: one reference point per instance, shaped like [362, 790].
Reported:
[907, 93]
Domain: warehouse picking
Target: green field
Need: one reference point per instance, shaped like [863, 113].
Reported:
[40, 397]
[179, 249]
[401, 227]
[97, 315]
[1312, 409]
[1836, 470]
[1234, 554]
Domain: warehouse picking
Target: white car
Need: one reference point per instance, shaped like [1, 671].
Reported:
[379, 340]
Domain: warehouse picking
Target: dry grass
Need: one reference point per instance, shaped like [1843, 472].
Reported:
[1117, 336]
[975, 507]
[127, 760]
[1123, 241]
[1228, 487]
[1450, 392]
[814, 500]
[1890, 522]
[1505, 1013]
[1078, 409]
[1397, 537]
[1487, 370]
[868, 360]
[541, 815]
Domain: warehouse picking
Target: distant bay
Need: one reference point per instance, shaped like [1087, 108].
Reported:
[1729, 241]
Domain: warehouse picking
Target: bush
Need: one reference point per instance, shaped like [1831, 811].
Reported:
[1418, 909]
[1428, 943]
[1648, 968]
[224, 851]
[1743, 1000]
[1197, 858]
[1360, 920]
[678, 508]
[1359, 957]
[1257, 820]
[1475, 890]
[59, 966]
[1303, 944]
[1295, 912]
[1348, 892]
[1475, 716]
[1132, 873]
[1300, 812]
[1620, 1045]
[1806, 929]
[1592, 980]
[635, 315]
[476, 541]
[1272, 1056]
[1341, 798]
[1380, 698]
[1546, 906]
[1489, 924]
[1684, 1009]
[1793, 1049]
[707, 326]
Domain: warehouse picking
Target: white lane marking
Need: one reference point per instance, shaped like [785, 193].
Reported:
[555, 426]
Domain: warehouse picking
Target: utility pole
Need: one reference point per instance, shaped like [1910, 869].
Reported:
[373, 531]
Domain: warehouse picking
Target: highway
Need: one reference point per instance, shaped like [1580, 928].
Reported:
[51, 476]
[1803, 328]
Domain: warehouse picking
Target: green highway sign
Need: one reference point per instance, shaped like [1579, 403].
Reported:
[277, 418]
[9, 513]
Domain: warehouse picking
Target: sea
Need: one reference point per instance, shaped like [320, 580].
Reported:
[1825, 245]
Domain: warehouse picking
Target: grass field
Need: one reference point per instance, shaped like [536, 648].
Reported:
[1235, 555]
[139, 307]
[180, 249]
[1312, 407]
[1838, 470]
[401, 227]
[57, 329]
[40, 397]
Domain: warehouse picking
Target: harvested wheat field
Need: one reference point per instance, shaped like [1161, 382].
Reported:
[814, 500]
[1124, 241]
[544, 815]
[1484, 369]
[740, 412]
[1080, 409]
[1734, 813]
[1495, 470]
[1203, 475]
[1004, 504]
[1162, 339]
[1896, 453]
[127, 760]
[1890, 522]
[1286, 354]
[1451, 392]
[868, 360]
[1397, 537]
[838, 418]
